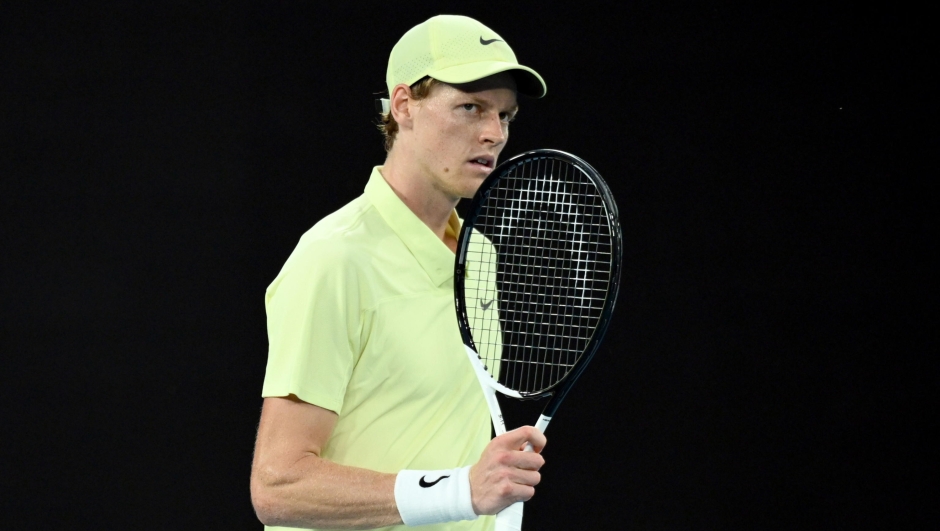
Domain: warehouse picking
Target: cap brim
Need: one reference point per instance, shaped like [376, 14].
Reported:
[528, 81]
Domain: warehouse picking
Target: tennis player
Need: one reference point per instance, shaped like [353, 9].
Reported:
[372, 415]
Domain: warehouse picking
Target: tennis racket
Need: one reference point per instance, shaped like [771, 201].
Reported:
[535, 280]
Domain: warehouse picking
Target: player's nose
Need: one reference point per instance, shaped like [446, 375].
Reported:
[494, 130]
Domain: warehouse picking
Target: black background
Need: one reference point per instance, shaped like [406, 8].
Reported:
[770, 361]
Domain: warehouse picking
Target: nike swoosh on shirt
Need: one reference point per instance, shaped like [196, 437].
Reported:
[486, 305]
[424, 484]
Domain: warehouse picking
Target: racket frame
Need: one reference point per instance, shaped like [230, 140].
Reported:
[559, 390]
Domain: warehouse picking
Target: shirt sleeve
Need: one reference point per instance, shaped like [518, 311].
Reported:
[314, 325]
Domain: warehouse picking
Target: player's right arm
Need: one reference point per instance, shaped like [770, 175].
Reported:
[293, 486]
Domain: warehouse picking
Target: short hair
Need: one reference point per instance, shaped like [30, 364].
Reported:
[387, 124]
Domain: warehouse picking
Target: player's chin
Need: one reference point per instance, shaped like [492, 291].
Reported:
[471, 188]
[471, 183]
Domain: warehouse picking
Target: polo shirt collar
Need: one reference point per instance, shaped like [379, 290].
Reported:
[435, 257]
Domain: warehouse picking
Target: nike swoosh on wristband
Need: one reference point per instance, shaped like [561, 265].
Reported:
[424, 484]
[490, 41]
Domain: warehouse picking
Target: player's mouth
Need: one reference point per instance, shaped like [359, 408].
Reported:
[483, 163]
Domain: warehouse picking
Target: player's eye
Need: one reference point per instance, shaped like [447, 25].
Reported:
[507, 117]
[469, 106]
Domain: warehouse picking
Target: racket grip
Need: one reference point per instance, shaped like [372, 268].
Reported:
[510, 518]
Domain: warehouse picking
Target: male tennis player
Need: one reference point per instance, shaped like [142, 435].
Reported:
[372, 415]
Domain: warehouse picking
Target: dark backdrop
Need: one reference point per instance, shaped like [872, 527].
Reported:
[768, 363]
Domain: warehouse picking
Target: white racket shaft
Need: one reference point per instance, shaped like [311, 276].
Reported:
[510, 518]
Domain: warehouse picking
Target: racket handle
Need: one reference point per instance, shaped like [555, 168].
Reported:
[510, 518]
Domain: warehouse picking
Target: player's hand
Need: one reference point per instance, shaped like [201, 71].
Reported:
[506, 473]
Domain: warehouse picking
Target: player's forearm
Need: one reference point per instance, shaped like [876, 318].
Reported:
[315, 492]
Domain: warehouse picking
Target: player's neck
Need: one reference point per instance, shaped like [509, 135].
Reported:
[431, 206]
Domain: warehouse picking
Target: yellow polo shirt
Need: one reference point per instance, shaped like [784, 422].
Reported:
[361, 321]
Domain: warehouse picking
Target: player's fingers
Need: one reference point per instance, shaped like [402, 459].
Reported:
[495, 489]
[525, 460]
[529, 478]
[524, 493]
[532, 461]
[520, 437]
[512, 491]
[537, 445]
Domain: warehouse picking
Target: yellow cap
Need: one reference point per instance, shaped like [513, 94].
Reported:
[456, 49]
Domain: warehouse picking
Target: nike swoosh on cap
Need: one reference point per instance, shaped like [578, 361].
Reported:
[490, 41]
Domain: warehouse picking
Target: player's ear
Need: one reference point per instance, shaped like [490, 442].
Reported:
[399, 105]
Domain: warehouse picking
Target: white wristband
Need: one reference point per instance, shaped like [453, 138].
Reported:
[434, 496]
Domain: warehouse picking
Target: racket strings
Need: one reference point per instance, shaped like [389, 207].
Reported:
[540, 263]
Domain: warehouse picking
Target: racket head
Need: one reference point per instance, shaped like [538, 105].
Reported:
[537, 271]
